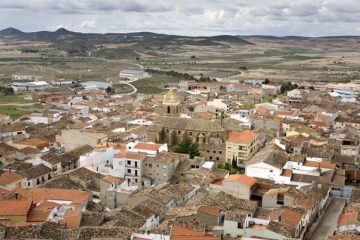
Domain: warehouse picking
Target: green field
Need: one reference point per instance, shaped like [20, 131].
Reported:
[122, 88]
[14, 99]
[13, 111]
[154, 84]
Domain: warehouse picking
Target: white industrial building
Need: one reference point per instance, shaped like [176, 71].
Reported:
[133, 74]
[96, 85]
[30, 86]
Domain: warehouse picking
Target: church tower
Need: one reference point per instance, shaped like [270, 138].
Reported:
[171, 104]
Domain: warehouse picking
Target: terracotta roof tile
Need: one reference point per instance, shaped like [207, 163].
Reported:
[110, 179]
[15, 207]
[34, 142]
[323, 164]
[244, 137]
[148, 146]
[291, 217]
[72, 217]
[347, 217]
[43, 194]
[182, 233]
[10, 177]
[286, 172]
[242, 178]
[136, 156]
[209, 210]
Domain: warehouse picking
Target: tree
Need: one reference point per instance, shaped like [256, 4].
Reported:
[186, 146]
[8, 91]
[267, 81]
[234, 162]
[108, 90]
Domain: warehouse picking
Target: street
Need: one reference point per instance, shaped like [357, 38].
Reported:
[328, 223]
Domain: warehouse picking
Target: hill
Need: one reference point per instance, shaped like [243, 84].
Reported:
[80, 43]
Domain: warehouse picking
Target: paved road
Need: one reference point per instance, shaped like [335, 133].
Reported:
[328, 223]
[129, 84]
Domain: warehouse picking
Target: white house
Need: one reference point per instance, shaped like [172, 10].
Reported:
[150, 149]
[102, 160]
[267, 163]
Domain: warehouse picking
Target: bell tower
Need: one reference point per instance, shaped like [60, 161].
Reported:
[171, 104]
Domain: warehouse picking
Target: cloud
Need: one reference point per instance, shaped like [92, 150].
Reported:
[187, 17]
[88, 24]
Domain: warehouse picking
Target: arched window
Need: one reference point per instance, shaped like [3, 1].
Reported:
[168, 109]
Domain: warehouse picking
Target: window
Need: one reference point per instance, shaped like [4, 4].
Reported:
[157, 165]
[220, 152]
[217, 159]
[29, 183]
[240, 225]
[214, 152]
[150, 165]
[179, 132]
[210, 158]
[129, 170]
[271, 170]
[129, 162]
[190, 133]
[208, 151]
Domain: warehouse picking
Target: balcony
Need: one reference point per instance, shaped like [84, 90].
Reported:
[132, 166]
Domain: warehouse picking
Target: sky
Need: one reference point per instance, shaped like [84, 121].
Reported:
[186, 17]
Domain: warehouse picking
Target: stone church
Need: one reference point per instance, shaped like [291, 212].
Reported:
[171, 129]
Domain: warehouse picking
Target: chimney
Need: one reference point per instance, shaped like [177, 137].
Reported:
[16, 195]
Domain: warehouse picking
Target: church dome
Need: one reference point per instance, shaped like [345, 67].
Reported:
[171, 98]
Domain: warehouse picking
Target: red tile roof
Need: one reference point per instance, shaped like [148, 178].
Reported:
[347, 217]
[182, 233]
[322, 164]
[286, 172]
[209, 210]
[128, 155]
[110, 179]
[34, 142]
[291, 217]
[72, 217]
[286, 113]
[10, 177]
[244, 137]
[42, 194]
[15, 207]
[242, 178]
[148, 146]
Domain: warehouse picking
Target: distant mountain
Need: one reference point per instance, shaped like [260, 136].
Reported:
[11, 32]
[63, 34]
